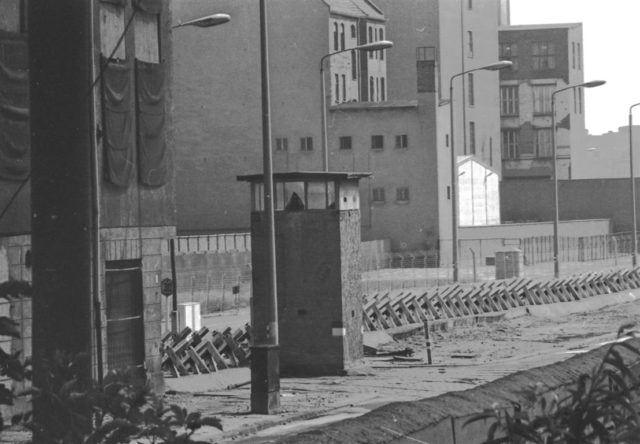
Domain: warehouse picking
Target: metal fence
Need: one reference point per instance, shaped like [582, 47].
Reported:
[223, 288]
[476, 262]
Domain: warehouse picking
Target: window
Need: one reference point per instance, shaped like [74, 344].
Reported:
[353, 31]
[377, 194]
[377, 89]
[575, 100]
[469, 5]
[543, 142]
[509, 51]
[335, 36]
[342, 37]
[354, 65]
[377, 142]
[579, 57]
[111, 28]
[371, 89]
[370, 41]
[472, 99]
[510, 144]
[282, 144]
[345, 142]
[344, 87]
[509, 100]
[425, 65]
[381, 37]
[147, 41]
[402, 141]
[543, 55]
[573, 55]
[383, 93]
[580, 100]
[337, 77]
[470, 44]
[542, 98]
[402, 194]
[472, 137]
[306, 144]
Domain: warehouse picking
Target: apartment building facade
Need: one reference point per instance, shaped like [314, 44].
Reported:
[545, 58]
[388, 111]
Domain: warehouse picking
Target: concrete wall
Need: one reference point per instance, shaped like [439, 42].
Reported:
[441, 419]
[218, 104]
[532, 200]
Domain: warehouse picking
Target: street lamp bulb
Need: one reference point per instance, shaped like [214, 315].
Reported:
[499, 65]
[375, 46]
[593, 83]
[207, 21]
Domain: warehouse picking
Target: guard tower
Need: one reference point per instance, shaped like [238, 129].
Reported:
[317, 226]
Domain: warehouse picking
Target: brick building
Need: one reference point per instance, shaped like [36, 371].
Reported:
[545, 58]
[388, 110]
[135, 208]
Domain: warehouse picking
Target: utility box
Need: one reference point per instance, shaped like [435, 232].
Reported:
[508, 263]
[317, 227]
[189, 316]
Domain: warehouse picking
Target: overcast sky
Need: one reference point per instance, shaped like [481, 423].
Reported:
[611, 38]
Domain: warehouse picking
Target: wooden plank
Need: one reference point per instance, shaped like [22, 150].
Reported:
[176, 362]
[198, 363]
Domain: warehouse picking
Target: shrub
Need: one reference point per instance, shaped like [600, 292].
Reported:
[601, 408]
[79, 410]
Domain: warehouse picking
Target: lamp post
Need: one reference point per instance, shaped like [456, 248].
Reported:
[367, 47]
[207, 21]
[454, 166]
[265, 352]
[556, 246]
[634, 253]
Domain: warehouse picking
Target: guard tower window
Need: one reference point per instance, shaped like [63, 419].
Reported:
[335, 36]
[342, 37]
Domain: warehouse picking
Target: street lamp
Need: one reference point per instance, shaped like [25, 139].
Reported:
[454, 166]
[634, 253]
[206, 21]
[367, 47]
[556, 246]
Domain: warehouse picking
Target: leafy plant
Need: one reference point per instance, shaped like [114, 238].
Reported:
[601, 408]
[79, 410]
[11, 366]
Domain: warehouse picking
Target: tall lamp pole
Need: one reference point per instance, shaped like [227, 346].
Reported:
[454, 165]
[367, 47]
[265, 361]
[634, 253]
[556, 240]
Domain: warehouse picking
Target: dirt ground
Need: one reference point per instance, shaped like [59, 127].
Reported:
[462, 358]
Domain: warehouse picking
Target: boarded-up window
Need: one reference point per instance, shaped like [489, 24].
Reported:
[147, 37]
[111, 30]
[10, 15]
